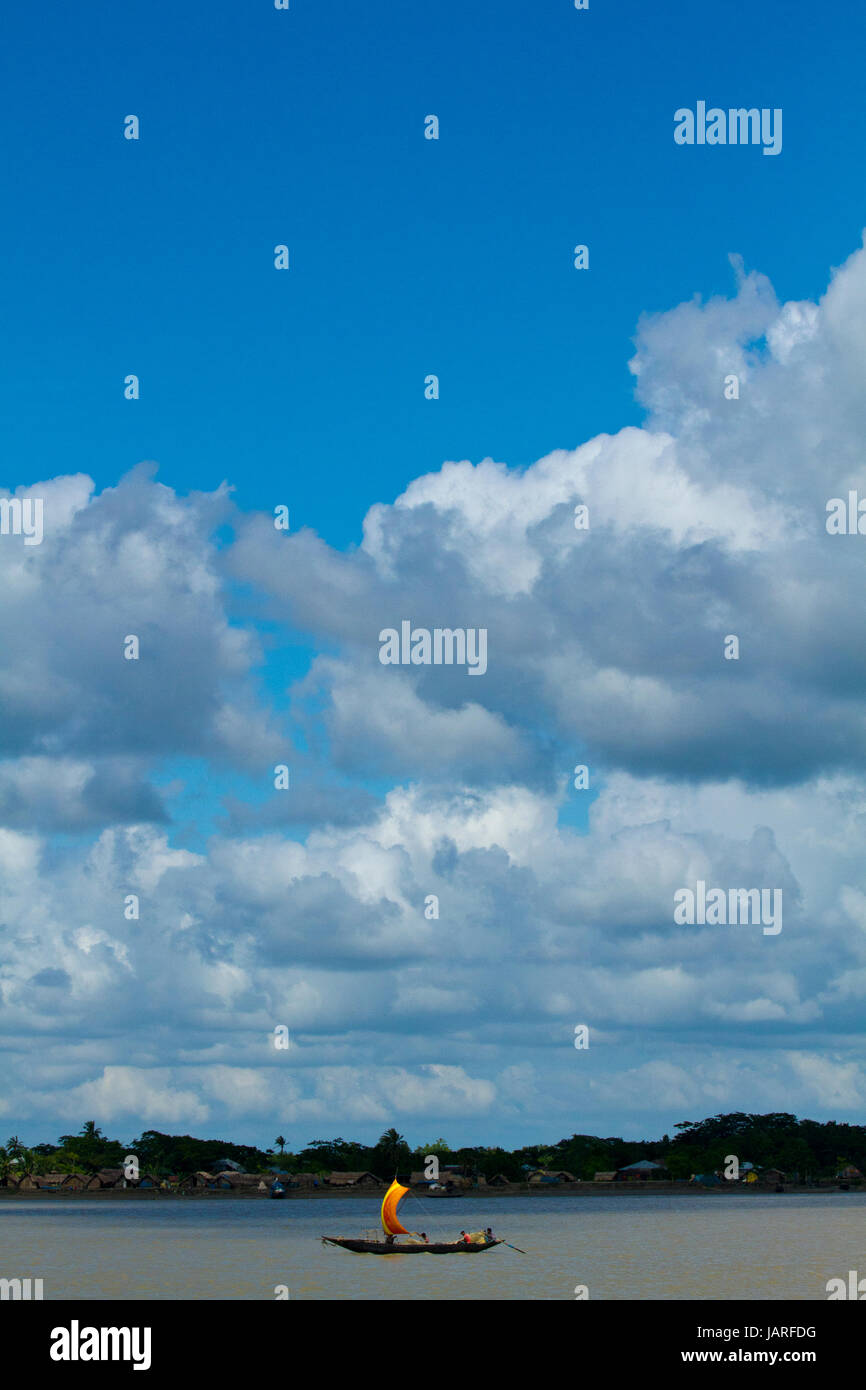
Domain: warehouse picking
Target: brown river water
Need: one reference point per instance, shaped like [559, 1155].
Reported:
[768, 1246]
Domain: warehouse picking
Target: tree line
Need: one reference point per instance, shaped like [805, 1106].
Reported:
[806, 1148]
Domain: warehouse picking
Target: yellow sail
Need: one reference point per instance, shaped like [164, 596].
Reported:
[389, 1210]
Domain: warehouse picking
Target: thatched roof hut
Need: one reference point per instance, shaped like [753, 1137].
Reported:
[642, 1170]
[551, 1175]
[240, 1182]
[306, 1180]
[499, 1180]
[198, 1179]
[106, 1177]
[365, 1179]
[446, 1178]
[605, 1177]
[772, 1175]
[75, 1182]
[41, 1182]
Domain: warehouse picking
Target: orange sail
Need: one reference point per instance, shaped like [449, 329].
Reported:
[390, 1201]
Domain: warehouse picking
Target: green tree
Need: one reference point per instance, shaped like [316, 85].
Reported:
[391, 1153]
[14, 1148]
[437, 1147]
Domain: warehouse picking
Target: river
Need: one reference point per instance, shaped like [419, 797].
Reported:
[767, 1246]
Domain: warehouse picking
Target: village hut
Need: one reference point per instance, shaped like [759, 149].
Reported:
[199, 1179]
[605, 1177]
[43, 1182]
[306, 1180]
[849, 1173]
[447, 1178]
[774, 1175]
[551, 1175]
[641, 1171]
[499, 1180]
[107, 1177]
[239, 1182]
[75, 1182]
[365, 1179]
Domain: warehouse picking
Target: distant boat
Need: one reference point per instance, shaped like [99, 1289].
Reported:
[391, 1227]
[437, 1190]
[277, 1190]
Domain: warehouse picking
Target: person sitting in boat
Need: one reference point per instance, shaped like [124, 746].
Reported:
[489, 1234]
[390, 1240]
[424, 1237]
[465, 1239]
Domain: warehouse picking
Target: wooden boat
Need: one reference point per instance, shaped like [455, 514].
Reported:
[277, 1190]
[362, 1245]
[381, 1247]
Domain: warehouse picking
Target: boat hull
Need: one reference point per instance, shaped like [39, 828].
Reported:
[381, 1247]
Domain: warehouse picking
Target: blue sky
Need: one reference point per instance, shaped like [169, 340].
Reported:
[411, 257]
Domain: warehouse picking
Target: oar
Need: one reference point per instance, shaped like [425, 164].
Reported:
[514, 1247]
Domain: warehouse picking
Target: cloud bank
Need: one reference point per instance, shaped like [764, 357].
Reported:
[306, 907]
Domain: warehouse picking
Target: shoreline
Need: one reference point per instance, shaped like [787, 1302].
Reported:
[566, 1190]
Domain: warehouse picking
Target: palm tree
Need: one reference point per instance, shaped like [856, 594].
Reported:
[282, 1143]
[90, 1130]
[393, 1149]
